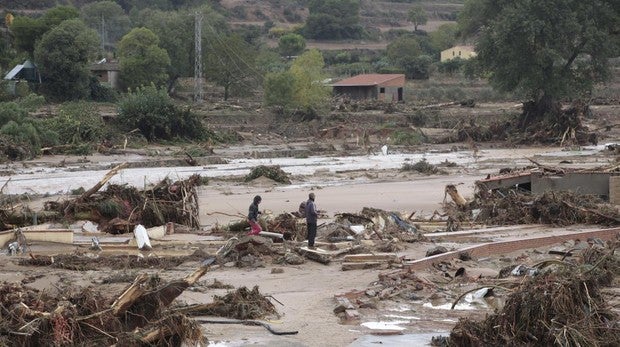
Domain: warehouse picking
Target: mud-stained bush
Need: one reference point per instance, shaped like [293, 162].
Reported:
[154, 113]
[424, 167]
[273, 172]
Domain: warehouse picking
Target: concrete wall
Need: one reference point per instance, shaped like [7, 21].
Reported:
[390, 94]
[614, 190]
[577, 182]
[358, 92]
[463, 52]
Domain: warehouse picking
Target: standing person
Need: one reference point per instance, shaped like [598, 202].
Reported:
[311, 217]
[253, 216]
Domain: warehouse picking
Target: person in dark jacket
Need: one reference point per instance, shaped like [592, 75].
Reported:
[311, 217]
[253, 216]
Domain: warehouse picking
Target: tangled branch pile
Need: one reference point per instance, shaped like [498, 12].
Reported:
[563, 307]
[115, 262]
[273, 172]
[557, 208]
[83, 316]
[240, 304]
[119, 207]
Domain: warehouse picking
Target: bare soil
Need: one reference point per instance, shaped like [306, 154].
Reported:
[346, 177]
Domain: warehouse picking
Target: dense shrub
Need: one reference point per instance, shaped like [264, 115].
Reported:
[153, 112]
[78, 123]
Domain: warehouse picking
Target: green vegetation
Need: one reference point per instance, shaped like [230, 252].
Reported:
[230, 64]
[63, 55]
[543, 50]
[142, 61]
[424, 167]
[300, 88]
[333, 20]
[156, 116]
[108, 18]
[27, 31]
[291, 44]
[407, 138]
[273, 172]
[417, 15]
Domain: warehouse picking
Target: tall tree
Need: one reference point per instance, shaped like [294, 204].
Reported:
[175, 30]
[444, 37]
[333, 20]
[544, 50]
[108, 18]
[27, 31]
[291, 44]
[309, 90]
[407, 54]
[142, 61]
[62, 55]
[230, 63]
[417, 15]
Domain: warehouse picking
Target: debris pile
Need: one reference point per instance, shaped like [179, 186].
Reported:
[239, 304]
[557, 208]
[120, 208]
[562, 307]
[376, 224]
[273, 172]
[247, 251]
[82, 316]
[423, 167]
[83, 262]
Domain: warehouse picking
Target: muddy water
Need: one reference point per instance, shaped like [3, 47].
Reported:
[41, 179]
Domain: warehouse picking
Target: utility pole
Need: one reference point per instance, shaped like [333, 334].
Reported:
[198, 92]
[102, 35]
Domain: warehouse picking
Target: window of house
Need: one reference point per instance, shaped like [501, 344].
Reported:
[459, 53]
[381, 90]
[453, 53]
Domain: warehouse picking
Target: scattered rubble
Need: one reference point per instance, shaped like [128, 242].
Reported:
[562, 306]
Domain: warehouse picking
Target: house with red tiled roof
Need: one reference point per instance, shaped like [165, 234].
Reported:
[386, 87]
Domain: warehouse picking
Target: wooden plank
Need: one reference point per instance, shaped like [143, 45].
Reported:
[361, 266]
[377, 257]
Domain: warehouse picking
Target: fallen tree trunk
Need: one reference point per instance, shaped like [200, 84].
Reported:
[139, 305]
[95, 188]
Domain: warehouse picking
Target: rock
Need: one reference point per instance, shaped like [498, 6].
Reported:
[436, 250]
[277, 270]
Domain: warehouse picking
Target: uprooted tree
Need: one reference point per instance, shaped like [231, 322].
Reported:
[544, 51]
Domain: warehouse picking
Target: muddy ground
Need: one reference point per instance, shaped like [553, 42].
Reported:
[346, 177]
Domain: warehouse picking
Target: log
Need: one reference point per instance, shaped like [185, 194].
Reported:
[455, 195]
[130, 295]
[160, 297]
[377, 257]
[95, 188]
[315, 255]
[361, 265]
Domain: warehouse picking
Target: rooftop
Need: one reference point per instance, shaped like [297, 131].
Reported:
[367, 80]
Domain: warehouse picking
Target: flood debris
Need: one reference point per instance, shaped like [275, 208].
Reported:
[273, 172]
[494, 205]
[85, 316]
[118, 208]
[241, 303]
[562, 305]
[424, 167]
[84, 262]
[370, 261]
